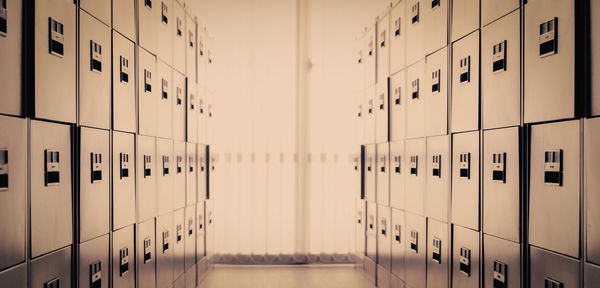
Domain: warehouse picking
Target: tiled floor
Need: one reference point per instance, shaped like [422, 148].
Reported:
[301, 276]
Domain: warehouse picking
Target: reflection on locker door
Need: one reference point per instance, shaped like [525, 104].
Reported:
[164, 250]
[398, 170]
[437, 194]
[51, 270]
[438, 248]
[190, 277]
[146, 195]
[416, 254]
[123, 19]
[123, 181]
[99, 9]
[415, 111]
[436, 93]
[415, 179]
[14, 277]
[166, 167]
[465, 83]
[465, 257]
[11, 47]
[123, 84]
[123, 258]
[398, 37]
[93, 263]
[165, 100]
[465, 18]
[592, 168]
[465, 179]
[549, 269]
[502, 264]
[436, 25]
[398, 230]
[149, 88]
[146, 254]
[397, 106]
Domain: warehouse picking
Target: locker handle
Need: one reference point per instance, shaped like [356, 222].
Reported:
[383, 232]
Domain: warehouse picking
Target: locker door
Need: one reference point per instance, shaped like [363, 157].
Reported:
[398, 170]
[178, 243]
[384, 239]
[166, 168]
[123, 258]
[179, 106]
[146, 196]
[192, 111]
[11, 45]
[399, 238]
[382, 111]
[465, 179]
[383, 174]
[164, 253]
[591, 274]
[494, 9]
[190, 277]
[360, 228]
[179, 172]
[123, 189]
[51, 270]
[397, 106]
[372, 231]
[438, 172]
[190, 186]
[415, 111]
[93, 263]
[415, 163]
[436, 93]
[371, 165]
[165, 101]
[123, 19]
[383, 48]
[149, 87]
[370, 104]
[436, 25]
[146, 254]
[190, 236]
[438, 248]
[415, 30]
[502, 265]
[465, 17]
[191, 68]
[465, 258]
[179, 36]
[416, 254]
[553, 270]
[397, 33]
[592, 186]
[200, 226]
[371, 61]
[201, 172]
[99, 9]
[124, 110]
[148, 23]
[14, 277]
[165, 30]
[465, 83]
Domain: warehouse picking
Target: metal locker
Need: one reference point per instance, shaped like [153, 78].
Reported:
[50, 186]
[372, 231]
[99, 9]
[398, 37]
[436, 93]
[416, 254]
[398, 245]
[166, 168]
[11, 46]
[595, 67]
[123, 258]
[592, 188]
[383, 48]
[591, 275]
[190, 235]
[93, 263]
[361, 62]
[201, 172]
[178, 243]
[494, 9]
[549, 82]
[436, 25]
[383, 174]
[201, 228]
[397, 101]
[202, 56]
[55, 32]
[370, 270]
[165, 102]
[190, 277]
[147, 196]
[502, 264]
[415, 30]
[465, 257]
[501, 72]
[14, 277]
[371, 61]
[179, 106]
[415, 111]
[465, 84]
[51, 270]
[180, 282]
[383, 277]
[94, 183]
[398, 170]
[370, 178]
[123, 84]
[148, 94]
[501, 183]
[370, 120]
[465, 179]
[178, 191]
[202, 115]
[123, 19]
[359, 120]
[192, 111]
[438, 248]
[554, 183]
[438, 173]
[465, 18]
[382, 111]
[165, 31]
[179, 36]
[360, 228]
[549, 269]
[148, 23]
[146, 254]
[191, 68]
[384, 239]
[191, 177]
[164, 254]
[13, 190]
[208, 208]
[415, 163]
[123, 180]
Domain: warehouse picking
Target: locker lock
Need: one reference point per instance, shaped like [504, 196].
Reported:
[371, 48]
[359, 217]
[52, 168]
[165, 89]
[436, 162]
[369, 163]
[548, 39]
[179, 164]
[553, 168]
[165, 13]
[201, 106]
[397, 26]
[57, 38]
[96, 169]
[383, 227]
[465, 261]
[200, 222]
[96, 275]
[147, 81]
[165, 159]
[148, 3]
[54, 283]
[179, 94]
[179, 27]
[464, 165]
[124, 165]
[435, 81]
[436, 254]
[200, 47]
[360, 56]
[465, 70]
[500, 271]
[370, 106]
[147, 166]
[124, 75]
[190, 226]
[371, 220]
[95, 57]
[383, 161]
[551, 283]
[3, 18]
[397, 160]
[398, 94]
[191, 38]
[414, 161]
[191, 162]
[415, 88]
[382, 39]
[398, 237]
[123, 261]
[499, 167]
[414, 241]
[147, 250]
[3, 169]
[435, 3]
[165, 241]
[192, 101]
[382, 101]
[499, 57]
[415, 13]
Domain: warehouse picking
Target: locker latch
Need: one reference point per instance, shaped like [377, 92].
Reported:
[398, 237]
[382, 101]
[200, 222]
[435, 81]
[435, 3]
[148, 3]
[190, 226]
[436, 254]
[123, 261]
[359, 217]
[360, 56]
[201, 106]
[200, 46]
[383, 227]
[415, 13]
[96, 275]
[147, 166]
[397, 160]
[371, 48]
[465, 70]
[398, 94]
[382, 160]
[179, 164]
[191, 38]
[52, 168]
[414, 241]
[165, 89]
[200, 163]
[124, 165]
[179, 26]
[210, 216]
[95, 57]
[124, 69]
[165, 164]
[551, 283]
[369, 164]
[57, 37]
[465, 261]
[191, 163]
[371, 220]
[192, 101]
[147, 81]
[436, 162]
[464, 165]
[179, 93]
[414, 161]
[382, 39]
[3, 18]
[500, 270]
[549, 37]
[165, 241]
[415, 88]
[397, 26]
[54, 283]
[147, 250]
[553, 169]
[499, 57]
[179, 232]
[499, 167]
[165, 13]
[3, 169]
[96, 169]
[370, 106]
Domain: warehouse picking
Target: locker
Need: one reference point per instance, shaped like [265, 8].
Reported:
[501, 182]
[148, 24]
[465, 18]
[190, 277]
[371, 61]
[415, 163]
[166, 168]
[14, 277]
[502, 265]
[549, 269]
[436, 93]
[179, 171]
[202, 56]
[361, 62]
[438, 248]
[94, 183]
[190, 235]
[383, 174]
[165, 102]
[465, 257]
[208, 208]
[55, 93]
[382, 111]
[11, 45]
[370, 178]
[398, 245]
[500, 72]
[191, 177]
[202, 114]
[146, 254]
[415, 30]
[384, 239]
[123, 180]
[438, 173]
[99, 9]
[51, 270]
[383, 277]
[200, 225]
[179, 106]
[595, 67]
[370, 120]
[165, 31]
[201, 270]
[123, 84]
[465, 179]
[372, 231]
[360, 228]
[359, 120]
[383, 48]
[201, 172]
[416, 255]
[190, 51]
[494, 9]
[179, 46]
[554, 182]
[164, 253]
[178, 243]
[180, 282]
[436, 25]
[549, 92]
[465, 83]
[192, 111]
[415, 111]
[123, 258]
[398, 106]
[592, 188]
[370, 270]
[13, 191]
[93, 263]
[398, 37]
[398, 173]
[50, 186]
[147, 196]
[148, 94]
[591, 275]
[123, 19]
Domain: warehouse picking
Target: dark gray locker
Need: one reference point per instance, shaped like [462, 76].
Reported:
[191, 177]
[502, 265]
[436, 25]
[465, 179]
[93, 263]
[384, 239]
[178, 243]
[549, 269]
[415, 163]
[179, 106]
[123, 181]
[146, 254]
[123, 19]
[415, 91]
[435, 92]
[383, 174]
[415, 30]
[164, 127]
[370, 166]
[148, 94]
[416, 251]
[164, 27]
[398, 245]
[494, 9]
[397, 102]
[190, 236]
[14, 277]
[146, 196]
[360, 228]
[465, 83]
[398, 170]
[437, 194]
[148, 20]
[383, 49]
[398, 37]
[166, 168]
[123, 258]
[51, 270]
[123, 83]
[11, 47]
[465, 18]
[592, 188]
[438, 254]
[201, 231]
[164, 253]
[465, 257]
[371, 231]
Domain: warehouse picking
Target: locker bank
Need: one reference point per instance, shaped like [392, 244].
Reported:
[299, 143]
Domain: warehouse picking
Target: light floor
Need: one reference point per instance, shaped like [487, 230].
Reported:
[286, 276]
